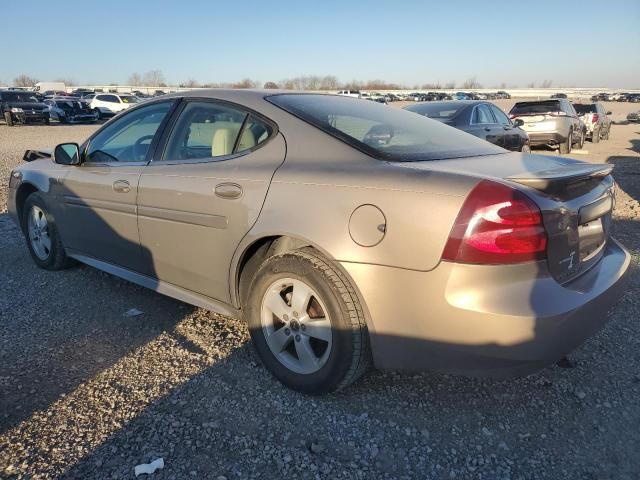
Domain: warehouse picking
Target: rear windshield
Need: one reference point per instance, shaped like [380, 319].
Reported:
[382, 131]
[26, 97]
[129, 99]
[535, 108]
[441, 111]
[582, 108]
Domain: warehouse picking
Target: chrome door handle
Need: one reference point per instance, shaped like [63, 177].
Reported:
[121, 186]
[228, 190]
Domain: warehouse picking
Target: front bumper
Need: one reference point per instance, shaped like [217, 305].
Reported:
[484, 320]
[30, 117]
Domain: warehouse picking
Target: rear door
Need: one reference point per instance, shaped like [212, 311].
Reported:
[203, 191]
[483, 125]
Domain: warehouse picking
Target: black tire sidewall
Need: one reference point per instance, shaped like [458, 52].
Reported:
[329, 377]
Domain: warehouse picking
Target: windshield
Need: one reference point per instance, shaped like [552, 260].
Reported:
[129, 99]
[535, 108]
[581, 108]
[381, 131]
[26, 97]
[437, 111]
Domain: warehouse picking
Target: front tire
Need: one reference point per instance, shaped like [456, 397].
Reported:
[525, 148]
[98, 113]
[595, 137]
[307, 323]
[8, 119]
[42, 236]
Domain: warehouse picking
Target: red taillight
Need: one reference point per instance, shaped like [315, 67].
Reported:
[496, 225]
[595, 118]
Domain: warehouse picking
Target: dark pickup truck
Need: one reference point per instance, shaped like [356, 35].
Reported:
[22, 107]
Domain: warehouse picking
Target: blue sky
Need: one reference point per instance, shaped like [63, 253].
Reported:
[572, 43]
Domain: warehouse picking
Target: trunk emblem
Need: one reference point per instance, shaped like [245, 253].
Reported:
[569, 260]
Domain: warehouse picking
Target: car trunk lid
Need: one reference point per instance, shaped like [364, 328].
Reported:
[576, 200]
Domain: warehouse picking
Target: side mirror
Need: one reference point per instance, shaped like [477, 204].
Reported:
[67, 154]
[518, 122]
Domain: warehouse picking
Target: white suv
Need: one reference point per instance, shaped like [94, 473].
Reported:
[104, 104]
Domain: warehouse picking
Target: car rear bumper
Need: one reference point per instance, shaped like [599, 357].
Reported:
[484, 320]
[546, 138]
[30, 117]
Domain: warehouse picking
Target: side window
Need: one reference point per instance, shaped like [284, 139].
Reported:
[501, 117]
[100, 97]
[112, 99]
[128, 138]
[207, 130]
[482, 115]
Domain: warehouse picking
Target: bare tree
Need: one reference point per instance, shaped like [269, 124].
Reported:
[450, 85]
[191, 83]
[547, 83]
[24, 81]
[153, 78]
[135, 79]
[531, 85]
[270, 85]
[471, 82]
[67, 81]
[246, 83]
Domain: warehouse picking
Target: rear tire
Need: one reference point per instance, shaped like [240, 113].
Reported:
[565, 148]
[324, 346]
[525, 148]
[595, 138]
[8, 119]
[41, 234]
[606, 135]
[581, 142]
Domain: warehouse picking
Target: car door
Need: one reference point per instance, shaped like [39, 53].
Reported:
[512, 134]
[201, 194]
[98, 197]
[483, 125]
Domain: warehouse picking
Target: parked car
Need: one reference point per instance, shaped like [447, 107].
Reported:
[481, 119]
[17, 106]
[553, 123]
[633, 117]
[217, 198]
[106, 104]
[350, 93]
[70, 111]
[633, 98]
[559, 95]
[461, 96]
[504, 95]
[596, 120]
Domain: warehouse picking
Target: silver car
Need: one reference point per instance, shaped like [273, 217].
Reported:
[344, 232]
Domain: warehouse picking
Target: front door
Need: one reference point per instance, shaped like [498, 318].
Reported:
[484, 126]
[98, 216]
[198, 200]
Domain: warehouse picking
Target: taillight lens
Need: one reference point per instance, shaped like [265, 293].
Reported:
[497, 225]
[595, 118]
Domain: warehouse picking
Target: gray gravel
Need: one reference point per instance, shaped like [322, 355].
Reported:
[89, 392]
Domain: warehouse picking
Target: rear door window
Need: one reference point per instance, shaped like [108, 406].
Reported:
[206, 130]
[482, 115]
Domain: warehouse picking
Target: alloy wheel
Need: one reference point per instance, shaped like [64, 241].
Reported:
[296, 325]
[39, 235]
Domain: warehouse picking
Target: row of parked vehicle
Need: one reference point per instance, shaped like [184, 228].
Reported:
[555, 123]
[616, 97]
[24, 106]
[423, 96]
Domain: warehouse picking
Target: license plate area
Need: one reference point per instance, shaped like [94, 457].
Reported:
[592, 238]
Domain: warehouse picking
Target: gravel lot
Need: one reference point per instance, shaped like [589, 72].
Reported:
[86, 392]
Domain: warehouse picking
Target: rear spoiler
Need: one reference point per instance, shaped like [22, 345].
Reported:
[558, 178]
[31, 155]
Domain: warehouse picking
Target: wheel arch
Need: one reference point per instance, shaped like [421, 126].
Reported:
[24, 190]
[253, 252]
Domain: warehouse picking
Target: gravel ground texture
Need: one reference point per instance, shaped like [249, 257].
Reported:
[89, 392]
